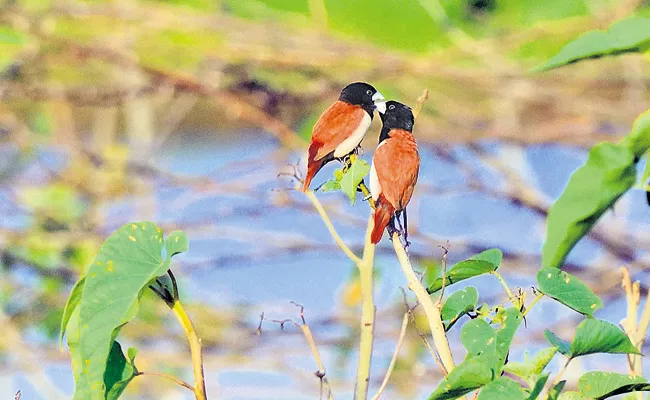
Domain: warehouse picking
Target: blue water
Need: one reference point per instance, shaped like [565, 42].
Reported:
[257, 246]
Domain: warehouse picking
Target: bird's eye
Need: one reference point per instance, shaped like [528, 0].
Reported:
[368, 92]
[391, 107]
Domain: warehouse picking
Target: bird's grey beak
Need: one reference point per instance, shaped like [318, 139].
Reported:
[380, 104]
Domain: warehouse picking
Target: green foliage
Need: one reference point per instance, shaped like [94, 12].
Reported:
[568, 290]
[555, 391]
[348, 178]
[124, 267]
[404, 24]
[601, 385]
[458, 304]
[12, 43]
[571, 396]
[608, 173]
[57, 202]
[594, 336]
[629, 35]
[502, 388]
[119, 371]
[538, 387]
[469, 375]
[482, 263]
[352, 177]
[531, 369]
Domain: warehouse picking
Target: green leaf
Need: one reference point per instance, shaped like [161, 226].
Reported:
[502, 388]
[563, 346]
[469, 375]
[458, 304]
[70, 307]
[482, 263]
[489, 345]
[353, 176]
[638, 140]
[608, 173]
[568, 290]
[572, 396]
[538, 387]
[122, 269]
[330, 186]
[555, 391]
[629, 35]
[531, 369]
[600, 385]
[598, 336]
[119, 371]
[406, 24]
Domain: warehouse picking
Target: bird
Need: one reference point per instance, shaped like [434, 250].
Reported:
[394, 170]
[342, 126]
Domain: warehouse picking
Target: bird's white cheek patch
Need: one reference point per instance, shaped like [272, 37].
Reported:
[354, 139]
[375, 187]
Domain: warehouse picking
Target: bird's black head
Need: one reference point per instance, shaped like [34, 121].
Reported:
[364, 95]
[397, 116]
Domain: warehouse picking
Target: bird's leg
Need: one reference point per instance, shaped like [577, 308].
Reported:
[406, 231]
[391, 228]
[358, 150]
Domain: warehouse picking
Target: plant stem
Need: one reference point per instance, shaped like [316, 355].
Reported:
[398, 347]
[169, 377]
[195, 349]
[326, 219]
[530, 307]
[430, 309]
[505, 285]
[558, 377]
[367, 316]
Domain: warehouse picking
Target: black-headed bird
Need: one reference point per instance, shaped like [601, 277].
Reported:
[341, 128]
[394, 170]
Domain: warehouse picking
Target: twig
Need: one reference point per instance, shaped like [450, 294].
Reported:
[504, 284]
[195, 349]
[431, 310]
[306, 331]
[367, 315]
[637, 331]
[422, 336]
[169, 377]
[558, 377]
[537, 299]
[258, 331]
[444, 272]
[398, 347]
[420, 102]
[326, 219]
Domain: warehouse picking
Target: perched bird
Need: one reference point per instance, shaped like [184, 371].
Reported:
[340, 129]
[394, 170]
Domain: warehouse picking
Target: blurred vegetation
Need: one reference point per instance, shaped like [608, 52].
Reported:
[106, 83]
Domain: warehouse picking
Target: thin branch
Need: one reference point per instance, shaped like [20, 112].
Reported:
[422, 336]
[431, 310]
[398, 347]
[537, 299]
[326, 219]
[504, 284]
[168, 377]
[306, 331]
[368, 311]
[558, 377]
[444, 272]
[420, 102]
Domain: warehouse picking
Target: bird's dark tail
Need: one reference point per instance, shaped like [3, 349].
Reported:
[383, 213]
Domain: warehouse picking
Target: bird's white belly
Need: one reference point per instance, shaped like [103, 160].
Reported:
[353, 140]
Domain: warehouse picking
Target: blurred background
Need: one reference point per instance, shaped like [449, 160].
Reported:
[184, 112]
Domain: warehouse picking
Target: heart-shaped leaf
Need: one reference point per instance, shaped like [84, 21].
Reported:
[113, 284]
[568, 290]
[531, 369]
[600, 385]
[598, 336]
